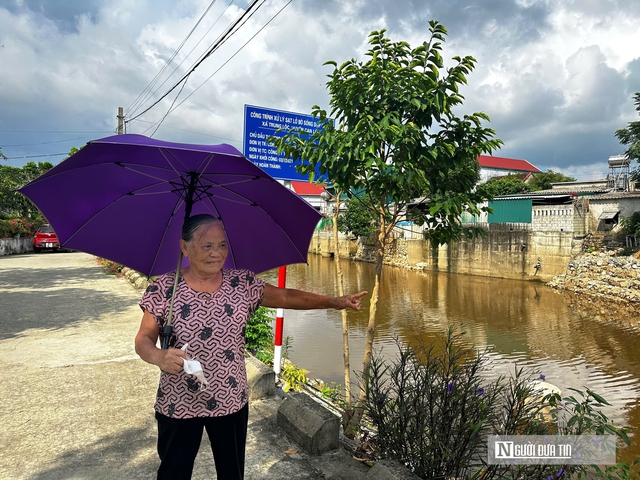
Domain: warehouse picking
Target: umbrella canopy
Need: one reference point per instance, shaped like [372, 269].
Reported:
[125, 198]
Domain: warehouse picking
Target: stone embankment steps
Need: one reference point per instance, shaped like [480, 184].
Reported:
[603, 275]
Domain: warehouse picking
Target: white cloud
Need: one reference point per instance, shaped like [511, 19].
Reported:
[556, 77]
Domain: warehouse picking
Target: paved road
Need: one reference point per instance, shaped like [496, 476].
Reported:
[75, 400]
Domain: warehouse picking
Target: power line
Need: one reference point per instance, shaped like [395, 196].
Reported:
[171, 109]
[45, 143]
[132, 112]
[139, 100]
[232, 56]
[194, 132]
[225, 36]
[44, 131]
[37, 156]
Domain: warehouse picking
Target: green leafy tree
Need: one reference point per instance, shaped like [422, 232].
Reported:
[395, 137]
[507, 185]
[543, 180]
[631, 135]
[13, 203]
[359, 219]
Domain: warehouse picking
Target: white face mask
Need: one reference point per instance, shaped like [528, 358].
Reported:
[193, 367]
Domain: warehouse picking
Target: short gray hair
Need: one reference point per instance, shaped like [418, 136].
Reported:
[192, 224]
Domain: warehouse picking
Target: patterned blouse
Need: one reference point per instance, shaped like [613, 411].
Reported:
[213, 324]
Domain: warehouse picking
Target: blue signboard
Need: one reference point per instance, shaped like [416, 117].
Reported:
[261, 123]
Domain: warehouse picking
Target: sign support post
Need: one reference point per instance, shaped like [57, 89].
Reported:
[277, 349]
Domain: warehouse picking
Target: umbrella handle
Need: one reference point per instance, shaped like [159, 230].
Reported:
[167, 329]
[165, 336]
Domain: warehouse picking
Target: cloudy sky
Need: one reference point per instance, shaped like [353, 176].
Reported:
[556, 77]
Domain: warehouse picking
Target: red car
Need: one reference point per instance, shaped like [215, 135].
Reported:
[45, 238]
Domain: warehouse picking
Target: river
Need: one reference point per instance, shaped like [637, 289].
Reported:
[565, 337]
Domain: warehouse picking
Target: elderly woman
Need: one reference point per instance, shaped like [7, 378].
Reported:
[211, 309]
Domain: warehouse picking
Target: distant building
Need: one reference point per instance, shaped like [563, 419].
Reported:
[491, 167]
[312, 193]
[578, 207]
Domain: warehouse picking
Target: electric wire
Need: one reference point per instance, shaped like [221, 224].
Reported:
[236, 140]
[45, 143]
[144, 96]
[168, 111]
[225, 36]
[219, 41]
[232, 56]
[36, 156]
[227, 61]
[129, 112]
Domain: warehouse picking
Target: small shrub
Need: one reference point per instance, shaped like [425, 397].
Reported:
[13, 227]
[631, 225]
[259, 335]
[293, 377]
[332, 391]
[112, 268]
[433, 408]
[430, 407]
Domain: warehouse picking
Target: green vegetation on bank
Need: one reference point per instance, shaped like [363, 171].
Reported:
[432, 408]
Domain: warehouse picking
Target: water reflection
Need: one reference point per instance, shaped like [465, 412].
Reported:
[573, 340]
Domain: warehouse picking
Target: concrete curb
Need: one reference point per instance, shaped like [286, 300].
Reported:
[139, 281]
[309, 424]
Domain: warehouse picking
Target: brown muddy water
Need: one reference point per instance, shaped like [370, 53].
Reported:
[574, 341]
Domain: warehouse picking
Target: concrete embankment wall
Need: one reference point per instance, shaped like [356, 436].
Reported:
[9, 246]
[516, 254]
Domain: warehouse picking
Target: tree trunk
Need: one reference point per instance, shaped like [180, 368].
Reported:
[358, 410]
[345, 325]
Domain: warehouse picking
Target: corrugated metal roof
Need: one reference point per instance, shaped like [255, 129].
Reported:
[532, 196]
[571, 191]
[502, 163]
[616, 195]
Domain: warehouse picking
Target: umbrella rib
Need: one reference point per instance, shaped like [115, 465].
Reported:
[254, 204]
[107, 206]
[164, 234]
[166, 153]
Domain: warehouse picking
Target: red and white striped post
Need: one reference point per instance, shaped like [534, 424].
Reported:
[277, 350]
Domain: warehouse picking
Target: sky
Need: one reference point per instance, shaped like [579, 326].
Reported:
[556, 77]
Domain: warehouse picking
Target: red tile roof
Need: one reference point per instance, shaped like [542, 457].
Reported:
[501, 163]
[306, 188]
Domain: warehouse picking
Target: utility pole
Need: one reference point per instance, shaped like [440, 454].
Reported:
[120, 118]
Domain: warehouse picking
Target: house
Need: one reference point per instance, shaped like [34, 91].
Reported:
[312, 193]
[499, 167]
[578, 207]
[607, 209]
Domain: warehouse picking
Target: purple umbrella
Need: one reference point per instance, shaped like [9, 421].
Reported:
[124, 198]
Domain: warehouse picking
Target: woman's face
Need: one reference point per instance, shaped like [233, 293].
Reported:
[207, 250]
